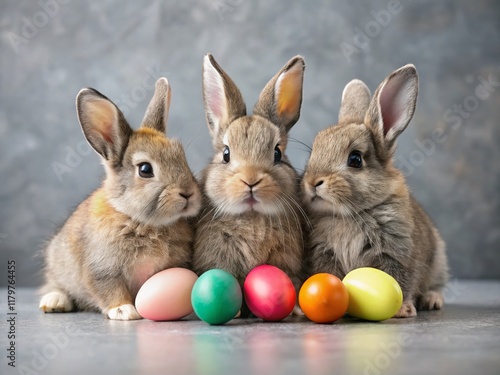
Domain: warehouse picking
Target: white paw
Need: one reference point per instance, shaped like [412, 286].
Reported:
[56, 302]
[124, 312]
[297, 311]
[407, 310]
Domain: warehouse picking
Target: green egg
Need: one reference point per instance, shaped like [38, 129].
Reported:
[216, 297]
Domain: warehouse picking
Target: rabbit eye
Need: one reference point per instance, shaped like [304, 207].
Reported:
[354, 160]
[277, 154]
[226, 156]
[145, 170]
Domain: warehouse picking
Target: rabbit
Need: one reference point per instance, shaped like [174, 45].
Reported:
[133, 226]
[361, 210]
[251, 211]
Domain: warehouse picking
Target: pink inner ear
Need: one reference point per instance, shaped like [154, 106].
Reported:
[215, 101]
[391, 107]
[105, 130]
[103, 118]
[214, 91]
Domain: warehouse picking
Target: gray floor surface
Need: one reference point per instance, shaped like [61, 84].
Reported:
[463, 338]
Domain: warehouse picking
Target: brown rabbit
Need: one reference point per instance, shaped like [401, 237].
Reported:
[135, 224]
[251, 213]
[361, 210]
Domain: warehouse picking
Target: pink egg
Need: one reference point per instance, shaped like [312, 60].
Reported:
[166, 295]
[269, 293]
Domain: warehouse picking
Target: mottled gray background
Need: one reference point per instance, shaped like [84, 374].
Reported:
[120, 47]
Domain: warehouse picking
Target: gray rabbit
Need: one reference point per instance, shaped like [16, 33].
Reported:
[360, 207]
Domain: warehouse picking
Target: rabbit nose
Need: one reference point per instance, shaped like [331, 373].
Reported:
[186, 196]
[251, 185]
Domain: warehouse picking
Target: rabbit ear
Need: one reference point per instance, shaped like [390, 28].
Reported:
[355, 101]
[222, 99]
[156, 116]
[103, 124]
[393, 104]
[281, 99]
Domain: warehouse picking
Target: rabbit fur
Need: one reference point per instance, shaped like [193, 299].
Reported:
[135, 224]
[361, 210]
[251, 213]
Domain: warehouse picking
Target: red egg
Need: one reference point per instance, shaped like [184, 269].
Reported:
[269, 293]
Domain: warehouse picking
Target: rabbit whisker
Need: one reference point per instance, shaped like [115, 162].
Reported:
[300, 142]
[299, 208]
[356, 212]
[280, 225]
[191, 141]
[289, 202]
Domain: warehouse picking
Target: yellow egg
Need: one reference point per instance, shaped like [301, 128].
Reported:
[373, 294]
[166, 295]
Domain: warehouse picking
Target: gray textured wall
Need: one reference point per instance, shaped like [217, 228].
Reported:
[48, 55]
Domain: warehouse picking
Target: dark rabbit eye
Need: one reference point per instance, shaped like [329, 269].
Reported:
[146, 170]
[226, 156]
[277, 154]
[354, 160]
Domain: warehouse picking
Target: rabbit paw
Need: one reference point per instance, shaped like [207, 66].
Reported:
[431, 300]
[297, 311]
[124, 312]
[407, 310]
[56, 302]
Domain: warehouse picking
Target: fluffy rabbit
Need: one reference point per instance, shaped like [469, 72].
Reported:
[360, 207]
[135, 224]
[251, 214]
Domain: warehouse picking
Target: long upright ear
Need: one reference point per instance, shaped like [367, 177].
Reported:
[281, 98]
[393, 104]
[222, 99]
[103, 124]
[355, 101]
[156, 116]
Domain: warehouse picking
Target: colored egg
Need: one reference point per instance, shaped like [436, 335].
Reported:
[166, 295]
[216, 297]
[269, 293]
[323, 298]
[373, 294]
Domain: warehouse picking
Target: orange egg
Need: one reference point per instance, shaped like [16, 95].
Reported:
[323, 298]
